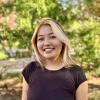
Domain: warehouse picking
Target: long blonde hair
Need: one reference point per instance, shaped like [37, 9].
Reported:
[59, 32]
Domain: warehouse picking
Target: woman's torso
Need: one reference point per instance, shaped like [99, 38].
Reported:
[51, 85]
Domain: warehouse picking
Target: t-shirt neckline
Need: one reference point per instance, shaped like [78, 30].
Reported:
[49, 70]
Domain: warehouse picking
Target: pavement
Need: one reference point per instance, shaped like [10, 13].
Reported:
[14, 66]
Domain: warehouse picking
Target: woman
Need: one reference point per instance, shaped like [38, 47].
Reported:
[54, 75]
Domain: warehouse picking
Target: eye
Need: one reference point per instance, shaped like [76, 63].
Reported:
[53, 37]
[40, 39]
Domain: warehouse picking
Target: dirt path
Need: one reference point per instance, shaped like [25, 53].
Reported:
[14, 66]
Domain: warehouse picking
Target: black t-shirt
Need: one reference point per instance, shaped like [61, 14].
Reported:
[52, 85]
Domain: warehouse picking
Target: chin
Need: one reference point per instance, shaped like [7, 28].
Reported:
[49, 57]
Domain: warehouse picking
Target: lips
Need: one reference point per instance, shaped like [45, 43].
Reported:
[48, 50]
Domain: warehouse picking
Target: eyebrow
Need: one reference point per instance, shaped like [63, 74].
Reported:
[48, 34]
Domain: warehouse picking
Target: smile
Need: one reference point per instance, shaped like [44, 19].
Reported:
[48, 49]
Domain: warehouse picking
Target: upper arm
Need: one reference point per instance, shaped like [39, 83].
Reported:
[24, 89]
[81, 85]
[26, 72]
[82, 91]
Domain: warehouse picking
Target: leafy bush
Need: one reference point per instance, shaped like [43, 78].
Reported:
[3, 55]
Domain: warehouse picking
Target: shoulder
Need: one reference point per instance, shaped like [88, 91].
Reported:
[78, 74]
[76, 68]
[29, 69]
[31, 65]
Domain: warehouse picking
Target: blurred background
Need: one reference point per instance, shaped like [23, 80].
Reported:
[81, 22]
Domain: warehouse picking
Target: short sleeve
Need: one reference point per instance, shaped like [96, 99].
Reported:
[79, 75]
[27, 71]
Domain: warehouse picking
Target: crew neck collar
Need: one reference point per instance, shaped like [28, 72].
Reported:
[54, 70]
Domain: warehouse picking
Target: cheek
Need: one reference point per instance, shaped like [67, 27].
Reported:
[60, 48]
[39, 46]
[59, 45]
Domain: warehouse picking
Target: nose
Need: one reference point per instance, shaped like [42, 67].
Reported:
[46, 41]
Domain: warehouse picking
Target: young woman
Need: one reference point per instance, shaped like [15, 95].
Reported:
[54, 75]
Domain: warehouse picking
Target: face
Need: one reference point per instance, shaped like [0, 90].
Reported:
[48, 45]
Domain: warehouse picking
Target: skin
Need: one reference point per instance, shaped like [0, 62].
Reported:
[25, 87]
[47, 39]
[82, 91]
[49, 46]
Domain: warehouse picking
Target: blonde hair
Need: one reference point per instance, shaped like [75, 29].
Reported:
[59, 32]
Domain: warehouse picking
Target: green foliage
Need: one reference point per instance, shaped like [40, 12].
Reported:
[86, 41]
[94, 94]
[10, 75]
[80, 25]
[3, 55]
[93, 7]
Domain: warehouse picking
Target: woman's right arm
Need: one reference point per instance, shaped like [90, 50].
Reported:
[24, 90]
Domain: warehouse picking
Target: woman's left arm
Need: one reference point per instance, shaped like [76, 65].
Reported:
[82, 91]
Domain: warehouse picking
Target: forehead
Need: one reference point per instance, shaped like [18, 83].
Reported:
[44, 29]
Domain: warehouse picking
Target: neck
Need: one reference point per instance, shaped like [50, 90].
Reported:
[53, 63]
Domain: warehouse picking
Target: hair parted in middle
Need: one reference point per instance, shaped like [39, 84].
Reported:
[59, 32]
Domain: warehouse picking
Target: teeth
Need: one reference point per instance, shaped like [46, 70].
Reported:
[48, 49]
